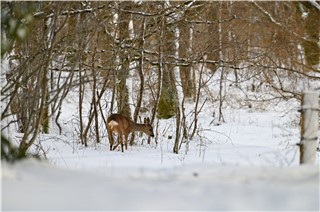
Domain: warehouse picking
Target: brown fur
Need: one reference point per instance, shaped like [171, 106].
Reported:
[123, 126]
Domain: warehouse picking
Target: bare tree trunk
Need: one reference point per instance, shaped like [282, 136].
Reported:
[80, 103]
[178, 133]
[38, 112]
[123, 73]
[34, 128]
[195, 125]
[160, 75]
[220, 63]
[184, 52]
[167, 103]
[141, 76]
[94, 89]
[114, 90]
[213, 38]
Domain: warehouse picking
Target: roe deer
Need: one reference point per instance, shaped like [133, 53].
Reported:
[123, 126]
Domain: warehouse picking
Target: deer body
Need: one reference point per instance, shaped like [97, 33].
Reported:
[122, 126]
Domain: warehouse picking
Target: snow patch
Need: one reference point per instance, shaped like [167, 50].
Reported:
[42, 186]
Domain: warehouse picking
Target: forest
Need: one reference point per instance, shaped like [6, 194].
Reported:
[152, 59]
[219, 84]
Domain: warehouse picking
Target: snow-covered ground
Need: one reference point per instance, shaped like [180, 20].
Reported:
[250, 162]
[31, 185]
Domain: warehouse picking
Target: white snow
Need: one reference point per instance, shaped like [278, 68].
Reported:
[32, 185]
[250, 162]
[315, 4]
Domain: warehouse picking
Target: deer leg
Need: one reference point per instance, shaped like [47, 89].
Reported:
[111, 141]
[116, 144]
[126, 138]
[119, 142]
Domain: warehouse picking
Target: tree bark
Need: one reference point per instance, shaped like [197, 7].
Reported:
[123, 73]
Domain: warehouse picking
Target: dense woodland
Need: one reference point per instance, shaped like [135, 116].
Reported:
[168, 50]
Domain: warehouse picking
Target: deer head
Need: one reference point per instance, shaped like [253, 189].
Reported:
[148, 128]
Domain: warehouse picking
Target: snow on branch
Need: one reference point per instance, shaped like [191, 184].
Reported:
[40, 14]
[315, 4]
